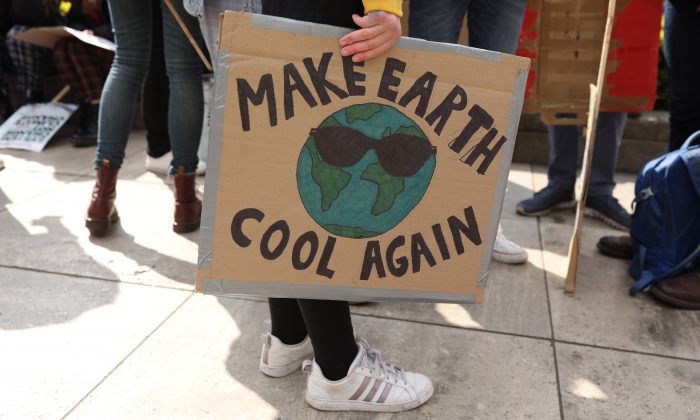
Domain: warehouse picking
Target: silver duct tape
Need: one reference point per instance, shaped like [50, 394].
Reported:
[211, 184]
[516, 106]
[233, 288]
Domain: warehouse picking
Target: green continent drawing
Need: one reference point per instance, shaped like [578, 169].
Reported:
[363, 112]
[330, 180]
[361, 200]
[389, 187]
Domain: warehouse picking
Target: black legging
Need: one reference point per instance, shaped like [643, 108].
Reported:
[156, 91]
[328, 324]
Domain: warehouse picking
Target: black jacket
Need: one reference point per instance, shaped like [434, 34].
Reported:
[331, 12]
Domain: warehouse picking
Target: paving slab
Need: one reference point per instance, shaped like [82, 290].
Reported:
[203, 363]
[142, 248]
[60, 156]
[515, 300]
[519, 188]
[59, 336]
[17, 186]
[607, 384]
[601, 312]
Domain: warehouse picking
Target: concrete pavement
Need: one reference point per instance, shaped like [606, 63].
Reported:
[110, 328]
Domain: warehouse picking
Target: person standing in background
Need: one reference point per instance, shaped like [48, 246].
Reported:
[681, 24]
[133, 32]
[493, 25]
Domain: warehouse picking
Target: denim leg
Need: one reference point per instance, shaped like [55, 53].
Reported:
[495, 24]
[681, 35]
[563, 156]
[186, 105]
[436, 20]
[608, 137]
[131, 22]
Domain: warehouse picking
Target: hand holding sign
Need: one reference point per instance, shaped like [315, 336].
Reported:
[380, 31]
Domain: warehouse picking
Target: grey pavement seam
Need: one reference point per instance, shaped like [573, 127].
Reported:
[128, 355]
[553, 338]
[82, 276]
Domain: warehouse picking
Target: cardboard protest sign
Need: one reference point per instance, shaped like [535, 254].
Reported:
[48, 36]
[564, 39]
[33, 125]
[357, 181]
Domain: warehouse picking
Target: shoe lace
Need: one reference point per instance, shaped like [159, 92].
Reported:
[372, 359]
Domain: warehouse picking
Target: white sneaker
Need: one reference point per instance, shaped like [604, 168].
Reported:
[279, 359]
[371, 385]
[507, 251]
[161, 165]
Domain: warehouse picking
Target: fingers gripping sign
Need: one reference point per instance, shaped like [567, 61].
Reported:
[379, 31]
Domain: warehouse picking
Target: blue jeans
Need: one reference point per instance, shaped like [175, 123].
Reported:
[681, 37]
[131, 20]
[493, 24]
[563, 154]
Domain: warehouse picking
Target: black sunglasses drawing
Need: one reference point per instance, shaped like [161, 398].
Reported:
[401, 155]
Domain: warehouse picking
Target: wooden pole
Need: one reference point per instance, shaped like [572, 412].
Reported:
[594, 107]
[188, 35]
[60, 94]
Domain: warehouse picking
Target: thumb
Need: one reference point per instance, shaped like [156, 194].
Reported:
[362, 21]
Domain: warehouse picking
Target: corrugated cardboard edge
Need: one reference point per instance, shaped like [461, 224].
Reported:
[205, 283]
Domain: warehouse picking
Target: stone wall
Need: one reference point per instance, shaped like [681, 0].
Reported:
[645, 137]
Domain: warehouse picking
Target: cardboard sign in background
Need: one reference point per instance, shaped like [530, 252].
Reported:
[564, 41]
[265, 189]
[33, 125]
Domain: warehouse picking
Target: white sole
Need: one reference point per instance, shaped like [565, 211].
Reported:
[281, 371]
[509, 258]
[347, 405]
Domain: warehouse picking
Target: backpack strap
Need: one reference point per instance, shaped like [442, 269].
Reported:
[648, 279]
[694, 138]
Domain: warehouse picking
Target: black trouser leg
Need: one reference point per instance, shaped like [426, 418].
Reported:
[156, 92]
[330, 329]
[287, 321]
[329, 325]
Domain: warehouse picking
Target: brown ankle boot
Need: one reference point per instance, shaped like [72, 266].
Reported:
[102, 213]
[188, 205]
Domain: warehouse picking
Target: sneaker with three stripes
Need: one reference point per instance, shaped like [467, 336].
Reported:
[371, 385]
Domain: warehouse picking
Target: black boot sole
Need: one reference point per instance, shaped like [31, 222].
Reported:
[186, 227]
[612, 252]
[100, 227]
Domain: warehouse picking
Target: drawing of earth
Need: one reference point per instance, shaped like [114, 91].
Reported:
[361, 200]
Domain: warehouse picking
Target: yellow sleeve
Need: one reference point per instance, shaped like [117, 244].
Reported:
[391, 6]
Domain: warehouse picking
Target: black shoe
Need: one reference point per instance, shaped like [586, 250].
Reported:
[609, 210]
[85, 134]
[617, 246]
[546, 200]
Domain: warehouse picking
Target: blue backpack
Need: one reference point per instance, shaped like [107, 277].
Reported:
[666, 219]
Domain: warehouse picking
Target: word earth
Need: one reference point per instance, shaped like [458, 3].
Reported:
[420, 92]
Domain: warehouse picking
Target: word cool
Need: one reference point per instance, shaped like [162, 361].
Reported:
[305, 248]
